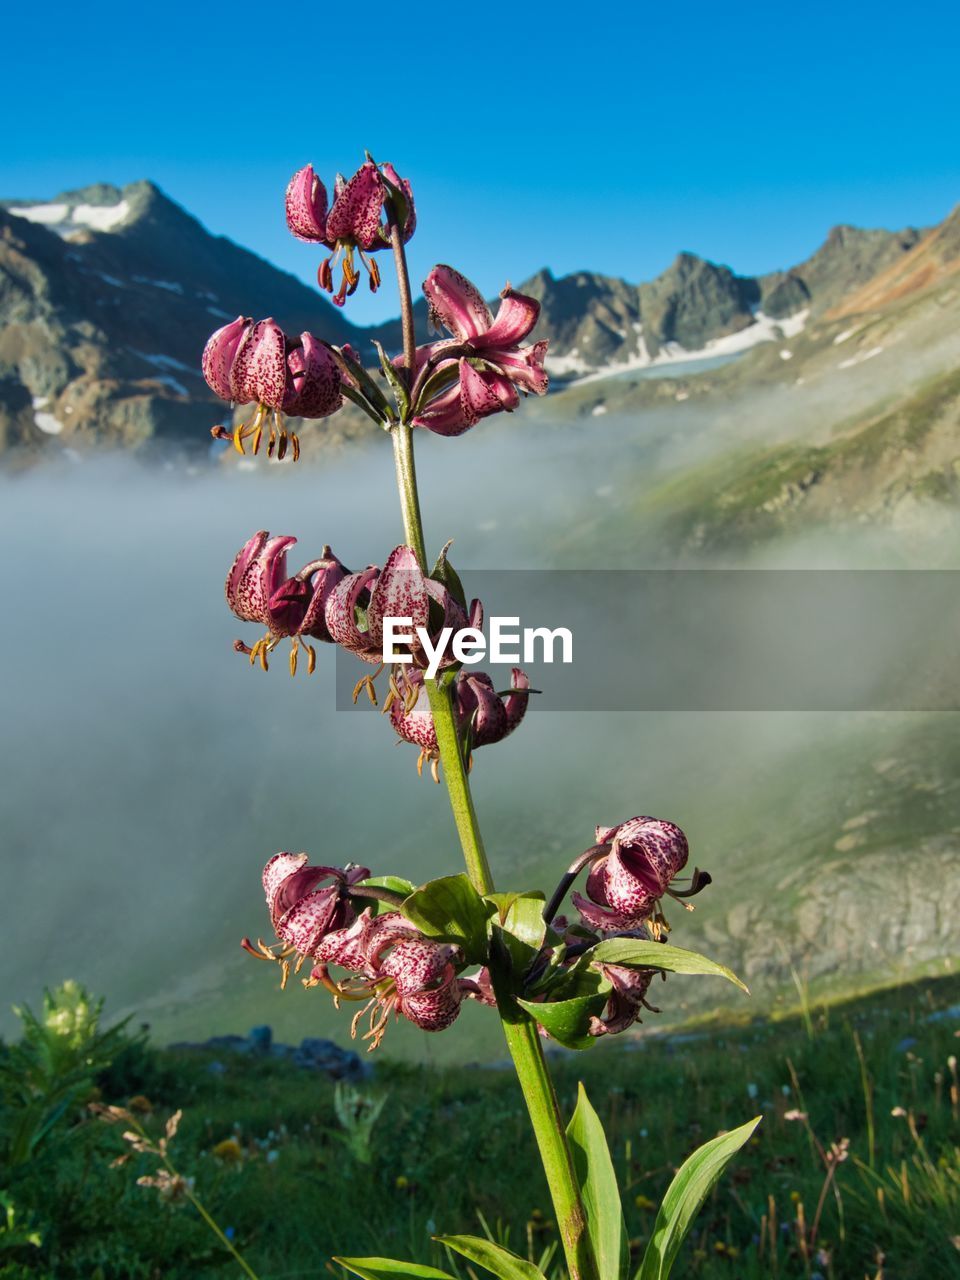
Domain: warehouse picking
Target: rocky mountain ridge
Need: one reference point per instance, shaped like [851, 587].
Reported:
[107, 295]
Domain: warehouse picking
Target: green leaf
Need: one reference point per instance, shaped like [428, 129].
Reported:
[658, 955]
[521, 914]
[444, 572]
[568, 1021]
[396, 884]
[493, 1257]
[598, 1182]
[397, 385]
[451, 910]
[694, 1181]
[390, 1269]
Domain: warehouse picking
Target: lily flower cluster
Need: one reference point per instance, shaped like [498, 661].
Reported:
[632, 868]
[326, 602]
[359, 220]
[479, 370]
[337, 917]
[394, 969]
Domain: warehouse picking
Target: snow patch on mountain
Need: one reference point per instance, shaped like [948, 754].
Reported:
[764, 329]
[64, 218]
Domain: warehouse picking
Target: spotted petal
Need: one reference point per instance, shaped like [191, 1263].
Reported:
[341, 616]
[260, 367]
[483, 392]
[314, 385]
[433, 1010]
[399, 593]
[357, 208]
[248, 553]
[516, 317]
[415, 725]
[457, 304]
[410, 221]
[219, 355]
[306, 203]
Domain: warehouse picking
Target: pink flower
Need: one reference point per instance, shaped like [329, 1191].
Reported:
[625, 884]
[258, 590]
[401, 971]
[628, 997]
[360, 602]
[484, 716]
[479, 371]
[358, 220]
[301, 912]
[245, 362]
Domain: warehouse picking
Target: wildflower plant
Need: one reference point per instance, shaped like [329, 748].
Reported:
[365, 935]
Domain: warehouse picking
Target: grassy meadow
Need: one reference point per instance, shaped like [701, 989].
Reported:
[854, 1171]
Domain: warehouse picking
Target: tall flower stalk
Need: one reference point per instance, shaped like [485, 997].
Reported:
[405, 950]
[523, 1039]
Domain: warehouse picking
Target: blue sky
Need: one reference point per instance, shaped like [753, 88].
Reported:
[598, 137]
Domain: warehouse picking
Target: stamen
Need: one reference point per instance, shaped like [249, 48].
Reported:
[296, 446]
[358, 1015]
[420, 759]
[293, 657]
[435, 769]
[257, 437]
[238, 438]
[311, 658]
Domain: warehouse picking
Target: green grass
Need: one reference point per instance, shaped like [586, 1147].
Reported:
[452, 1144]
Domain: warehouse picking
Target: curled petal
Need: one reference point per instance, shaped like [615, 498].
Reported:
[524, 367]
[456, 304]
[416, 964]
[310, 919]
[306, 203]
[341, 613]
[240, 603]
[260, 367]
[416, 724]
[628, 997]
[280, 868]
[313, 387]
[606, 920]
[399, 592]
[517, 315]
[482, 709]
[516, 702]
[220, 353]
[433, 1010]
[483, 392]
[255, 578]
[410, 221]
[444, 414]
[357, 208]
[322, 576]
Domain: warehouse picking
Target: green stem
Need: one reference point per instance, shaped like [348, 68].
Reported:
[402, 435]
[522, 1036]
[458, 786]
